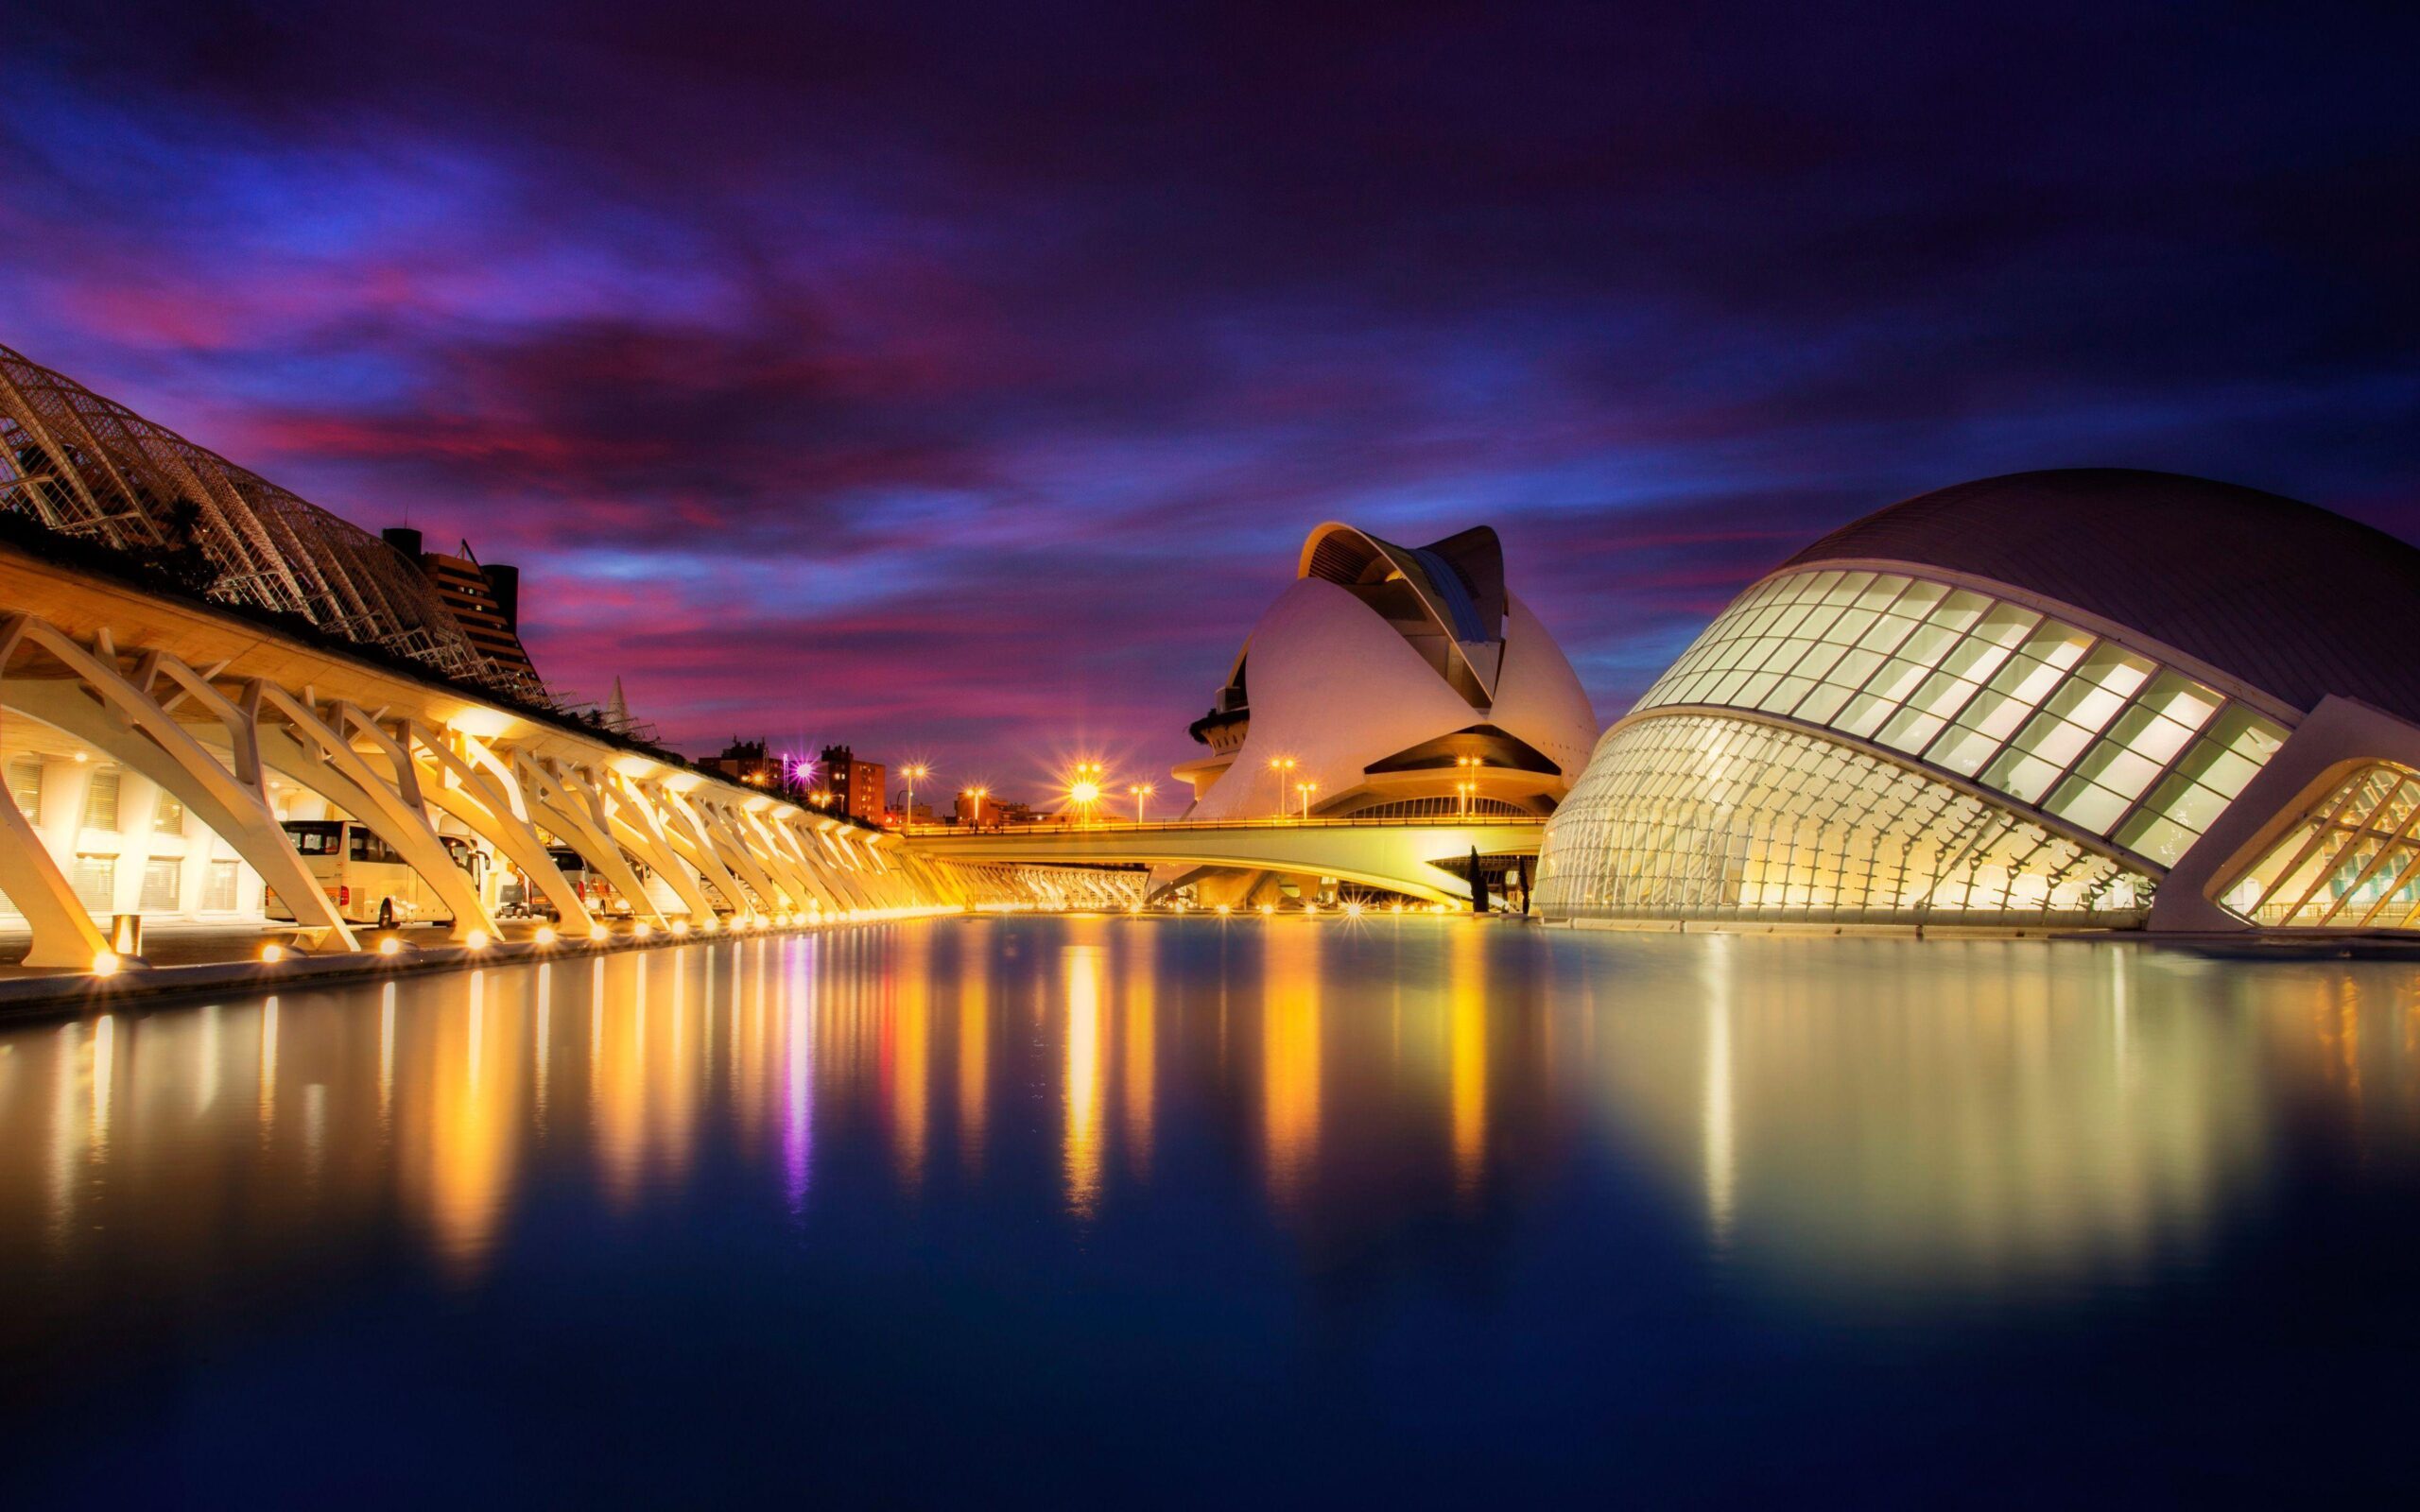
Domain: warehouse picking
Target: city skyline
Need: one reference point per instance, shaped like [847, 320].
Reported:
[996, 425]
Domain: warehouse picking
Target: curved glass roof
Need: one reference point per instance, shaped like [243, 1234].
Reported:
[2288, 597]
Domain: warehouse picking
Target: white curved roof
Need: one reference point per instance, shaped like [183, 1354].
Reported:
[1336, 686]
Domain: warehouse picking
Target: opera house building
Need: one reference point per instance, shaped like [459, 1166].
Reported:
[2100, 699]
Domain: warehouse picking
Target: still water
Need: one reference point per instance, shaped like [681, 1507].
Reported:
[1416, 1212]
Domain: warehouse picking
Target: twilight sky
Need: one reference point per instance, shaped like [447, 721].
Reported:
[961, 380]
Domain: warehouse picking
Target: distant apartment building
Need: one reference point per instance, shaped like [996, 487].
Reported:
[748, 761]
[855, 786]
[484, 598]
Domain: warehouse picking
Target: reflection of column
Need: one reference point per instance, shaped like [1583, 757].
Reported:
[544, 1033]
[798, 1055]
[1083, 1078]
[267, 1090]
[974, 1054]
[1289, 1058]
[1139, 1052]
[468, 1090]
[910, 970]
[1466, 1060]
[1721, 1167]
[104, 1066]
[385, 1059]
[65, 1135]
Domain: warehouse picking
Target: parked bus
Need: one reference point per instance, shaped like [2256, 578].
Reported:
[598, 895]
[368, 882]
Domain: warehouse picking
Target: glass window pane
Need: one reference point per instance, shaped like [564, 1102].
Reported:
[219, 893]
[96, 882]
[25, 786]
[2086, 805]
[159, 879]
[168, 814]
[100, 801]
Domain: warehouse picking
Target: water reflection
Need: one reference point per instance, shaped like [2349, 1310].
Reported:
[1827, 1117]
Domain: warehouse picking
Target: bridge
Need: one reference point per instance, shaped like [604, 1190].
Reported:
[241, 650]
[1396, 855]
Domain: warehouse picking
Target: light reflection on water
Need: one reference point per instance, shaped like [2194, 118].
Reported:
[1827, 1125]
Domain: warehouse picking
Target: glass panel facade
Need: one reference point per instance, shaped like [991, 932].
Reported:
[2353, 862]
[218, 889]
[168, 815]
[1701, 817]
[2061, 720]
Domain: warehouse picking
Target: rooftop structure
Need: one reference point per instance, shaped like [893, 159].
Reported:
[1393, 681]
[83, 468]
[2087, 698]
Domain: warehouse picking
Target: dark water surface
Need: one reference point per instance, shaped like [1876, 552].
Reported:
[1139, 1211]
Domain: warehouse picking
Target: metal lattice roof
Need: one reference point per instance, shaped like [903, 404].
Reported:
[88, 469]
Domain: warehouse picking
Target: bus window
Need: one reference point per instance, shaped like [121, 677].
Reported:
[317, 837]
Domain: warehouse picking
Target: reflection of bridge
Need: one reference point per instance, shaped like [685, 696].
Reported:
[250, 659]
[1400, 855]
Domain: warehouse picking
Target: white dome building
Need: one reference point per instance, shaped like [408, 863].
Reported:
[1375, 681]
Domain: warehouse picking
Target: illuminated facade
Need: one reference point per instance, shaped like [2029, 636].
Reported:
[1394, 681]
[2040, 700]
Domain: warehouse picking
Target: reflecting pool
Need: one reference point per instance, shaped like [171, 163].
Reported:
[1184, 1211]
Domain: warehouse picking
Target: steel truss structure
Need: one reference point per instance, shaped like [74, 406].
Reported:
[90, 469]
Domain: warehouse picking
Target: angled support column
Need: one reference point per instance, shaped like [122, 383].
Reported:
[574, 814]
[739, 831]
[315, 755]
[733, 853]
[497, 813]
[64, 935]
[783, 833]
[686, 833]
[838, 869]
[631, 818]
[777, 841]
[123, 719]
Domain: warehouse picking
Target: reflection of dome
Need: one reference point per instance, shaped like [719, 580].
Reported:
[2020, 700]
[1377, 672]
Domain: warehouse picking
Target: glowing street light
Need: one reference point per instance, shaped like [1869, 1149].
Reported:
[1283, 768]
[1470, 766]
[1141, 791]
[914, 774]
[1307, 789]
[979, 795]
[1084, 788]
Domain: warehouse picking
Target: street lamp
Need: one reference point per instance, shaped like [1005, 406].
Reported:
[1283, 768]
[914, 774]
[1470, 766]
[1084, 788]
[979, 795]
[1141, 791]
[1307, 789]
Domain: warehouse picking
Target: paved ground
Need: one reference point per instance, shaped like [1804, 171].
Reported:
[214, 945]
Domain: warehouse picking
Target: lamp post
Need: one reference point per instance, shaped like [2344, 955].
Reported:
[1283, 768]
[1141, 791]
[979, 795]
[1307, 789]
[1084, 790]
[1469, 786]
[914, 775]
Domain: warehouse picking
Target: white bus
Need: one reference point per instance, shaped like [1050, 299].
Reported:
[367, 880]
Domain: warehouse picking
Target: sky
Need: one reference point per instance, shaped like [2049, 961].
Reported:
[960, 381]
